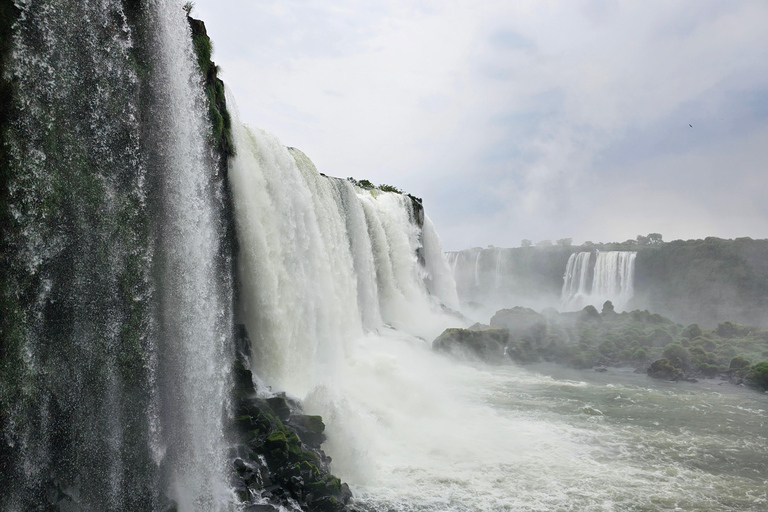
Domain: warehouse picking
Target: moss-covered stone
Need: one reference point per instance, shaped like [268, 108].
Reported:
[221, 122]
[264, 430]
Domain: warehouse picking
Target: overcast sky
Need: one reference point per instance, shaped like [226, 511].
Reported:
[519, 119]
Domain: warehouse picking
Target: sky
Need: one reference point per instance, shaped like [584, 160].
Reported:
[593, 120]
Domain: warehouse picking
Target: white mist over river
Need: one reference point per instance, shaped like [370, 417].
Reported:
[412, 431]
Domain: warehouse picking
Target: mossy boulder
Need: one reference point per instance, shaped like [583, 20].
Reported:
[280, 406]
[662, 369]
[486, 345]
[309, 429]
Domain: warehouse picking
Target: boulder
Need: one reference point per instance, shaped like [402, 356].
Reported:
[309, 428]
[522, 323]
[486, 345]
[663, 369]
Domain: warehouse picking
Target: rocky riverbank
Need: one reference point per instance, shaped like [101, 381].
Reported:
[648, 342]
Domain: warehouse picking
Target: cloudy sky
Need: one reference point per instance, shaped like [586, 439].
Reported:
[519, 119]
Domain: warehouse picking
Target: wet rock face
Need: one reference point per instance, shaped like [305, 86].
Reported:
[277, 458]
[487, 345]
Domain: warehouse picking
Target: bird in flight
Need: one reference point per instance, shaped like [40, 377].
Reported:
[690, 125]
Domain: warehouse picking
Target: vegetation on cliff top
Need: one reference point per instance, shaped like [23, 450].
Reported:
[221, 122]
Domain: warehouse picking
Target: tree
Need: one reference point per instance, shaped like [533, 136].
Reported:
[608, 307]
[188, 7]
[692, 331]
[544, 243]
[738, 363]
[565, 242]
[642, 240]
[654, 238]
[677, 355]
[526, 243]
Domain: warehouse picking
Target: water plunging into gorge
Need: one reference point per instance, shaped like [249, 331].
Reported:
[121, 288]
[611, 277]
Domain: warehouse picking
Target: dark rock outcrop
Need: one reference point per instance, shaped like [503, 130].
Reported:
[486, 345]
[276, 454]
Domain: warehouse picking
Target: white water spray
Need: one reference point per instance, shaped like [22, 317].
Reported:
[611, 278]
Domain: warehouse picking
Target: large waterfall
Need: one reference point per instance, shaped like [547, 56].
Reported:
[611, 277]
[323, 261]
[116, 296]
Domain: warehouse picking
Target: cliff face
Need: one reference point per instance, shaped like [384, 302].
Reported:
[695, 281]
[705, 281]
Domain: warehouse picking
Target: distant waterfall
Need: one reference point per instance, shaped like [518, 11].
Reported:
[612, 278]
[323, 261]
[576, 276]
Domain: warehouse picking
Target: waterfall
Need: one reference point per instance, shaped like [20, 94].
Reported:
[612, 278]
[116, 297]
[196, 317]
[439, 277]
[323, 261]
[576, 277]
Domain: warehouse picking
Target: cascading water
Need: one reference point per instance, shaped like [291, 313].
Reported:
[196, 351]
[614, 276]
[305, 238]
[439, 277]
[576, 277]
[611, 278]
[116, 305]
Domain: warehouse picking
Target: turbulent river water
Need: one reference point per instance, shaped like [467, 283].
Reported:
[424, 433]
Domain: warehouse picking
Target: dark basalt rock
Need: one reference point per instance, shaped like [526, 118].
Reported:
[276, 457]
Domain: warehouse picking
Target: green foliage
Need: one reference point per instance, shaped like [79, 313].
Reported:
[390, 188]
[692, 331]
[366, 184]
[221, 122]
[565, 242]
[758, 375]
[526, 243]
[738, 363]
[654, 238]
[677, 355]
[663, 369]
[706, 281]
[608, 308]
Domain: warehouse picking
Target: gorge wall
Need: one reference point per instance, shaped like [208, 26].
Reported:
[695, 281]
[168, 274]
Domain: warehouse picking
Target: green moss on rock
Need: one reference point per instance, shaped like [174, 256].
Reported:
[221, 122]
